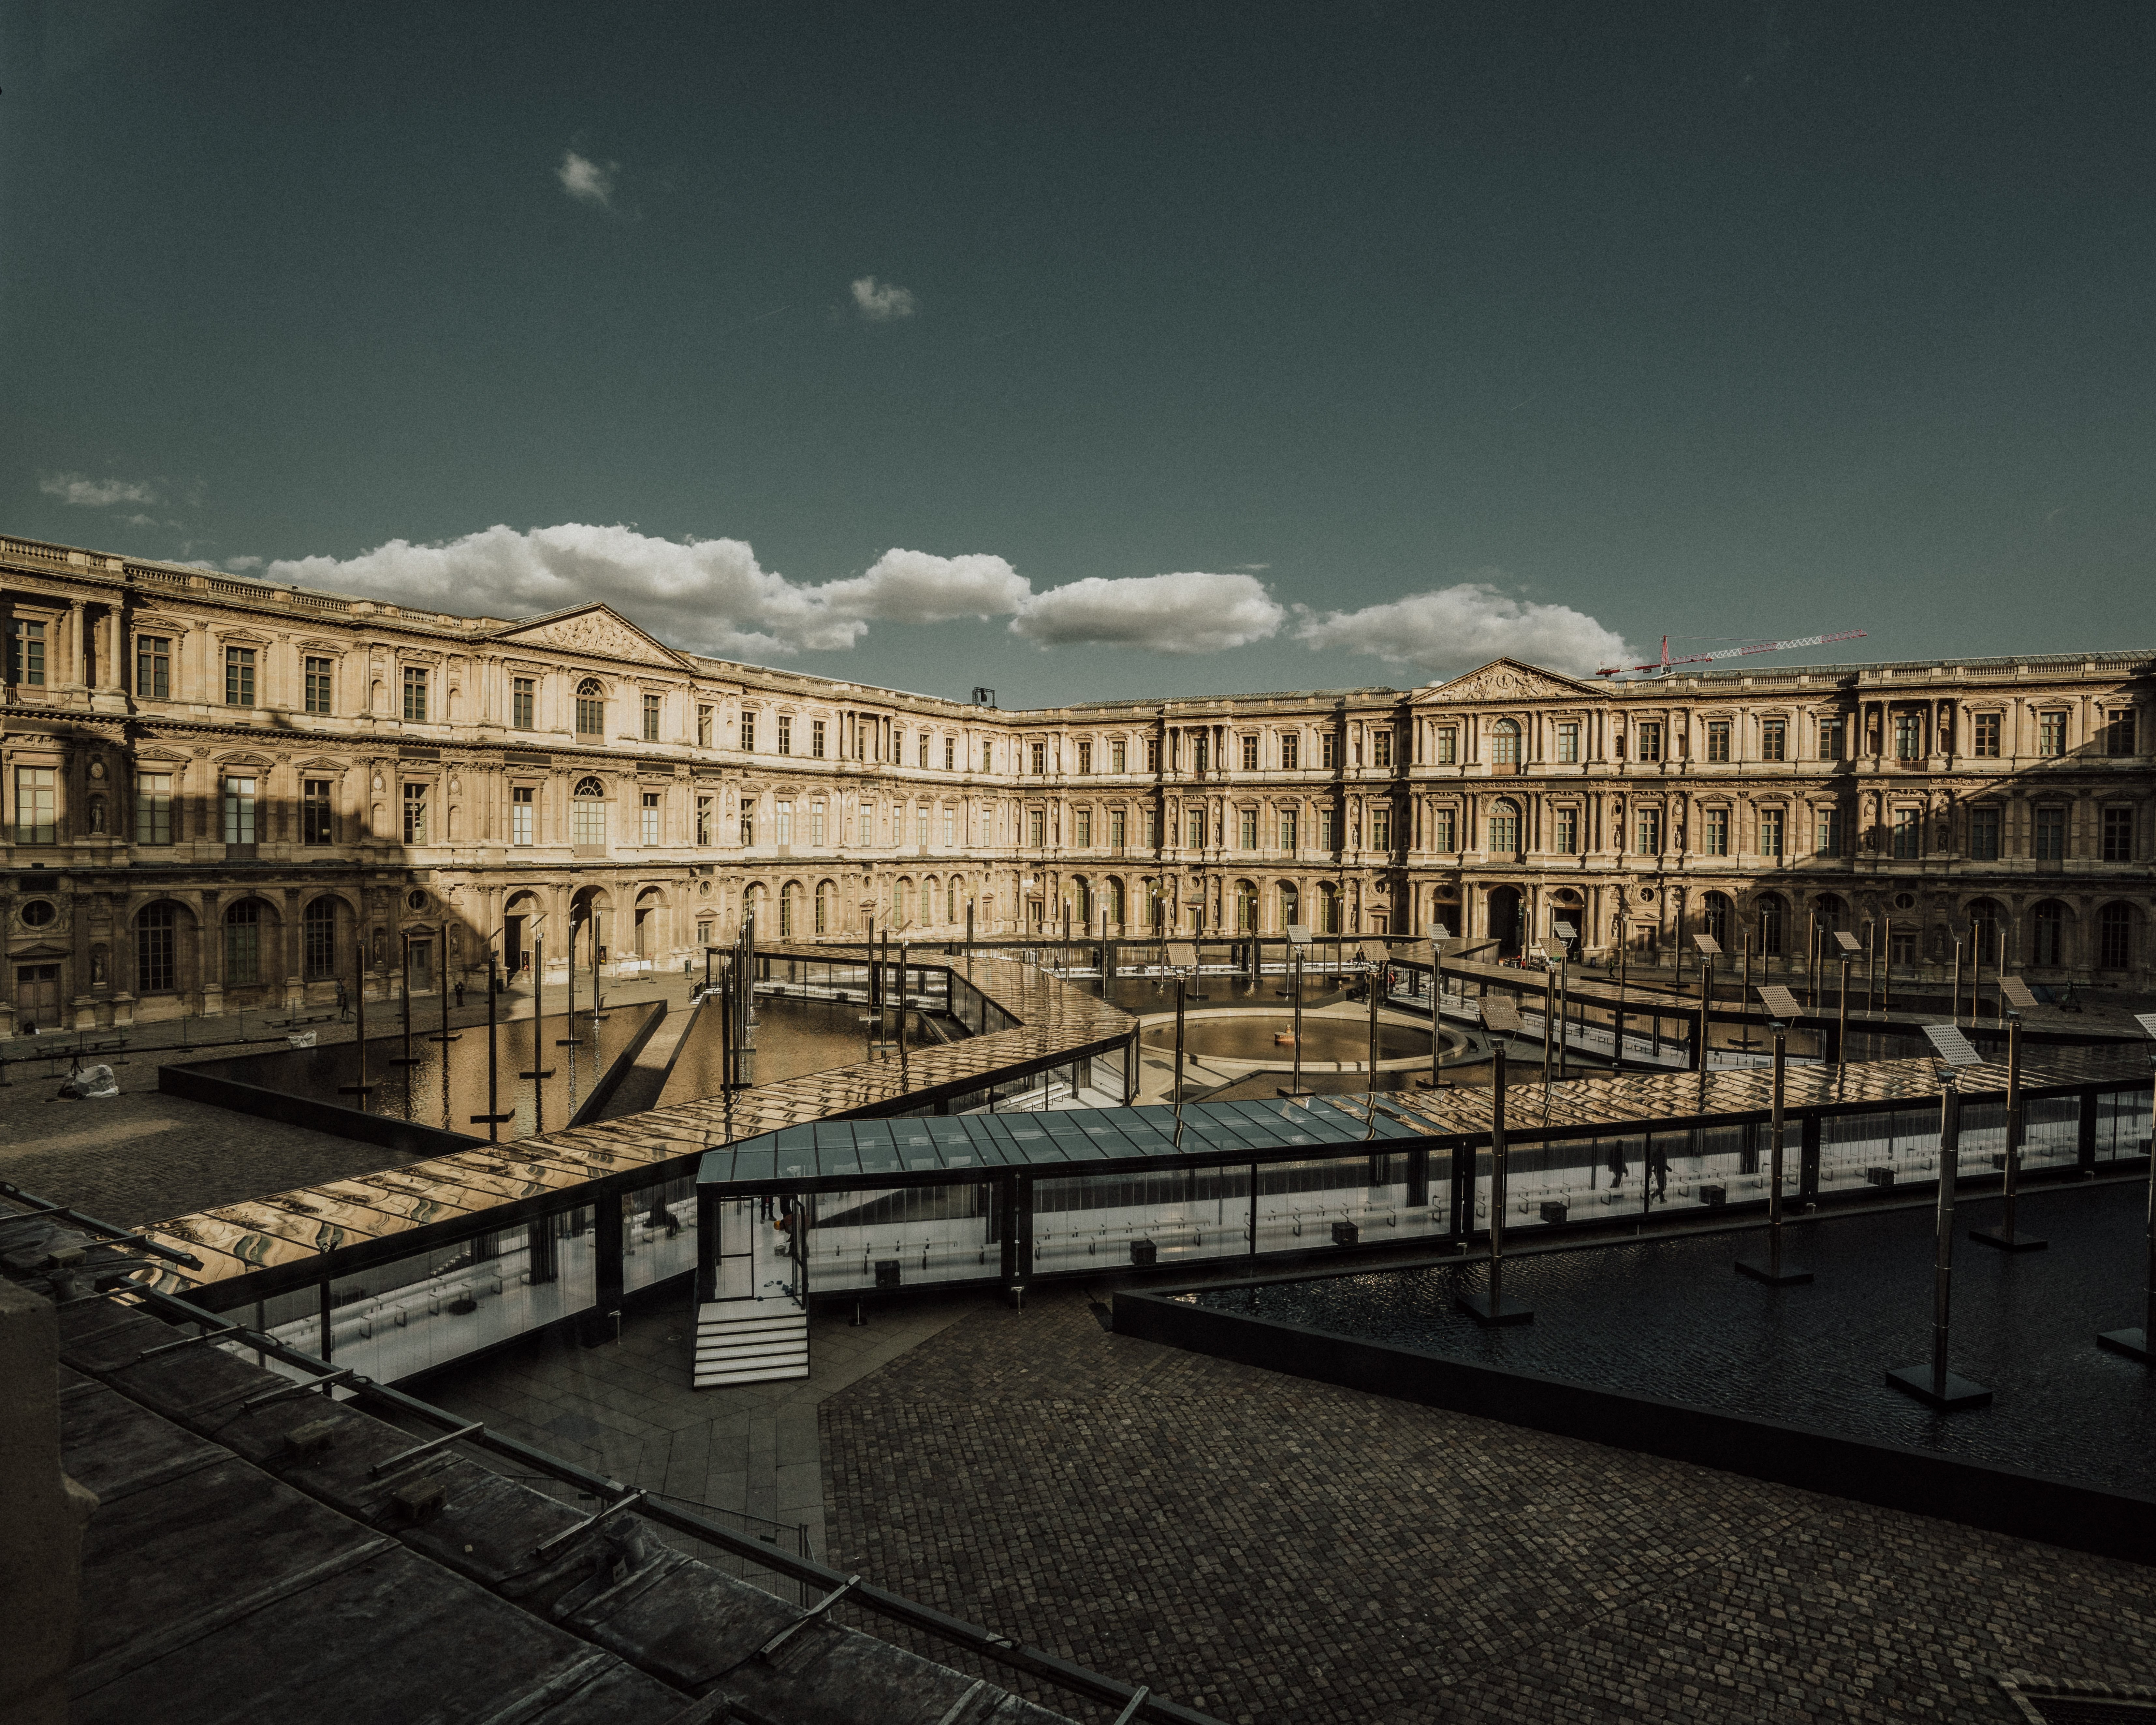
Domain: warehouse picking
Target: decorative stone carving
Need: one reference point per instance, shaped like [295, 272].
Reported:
[596, 631]
[1506, 680]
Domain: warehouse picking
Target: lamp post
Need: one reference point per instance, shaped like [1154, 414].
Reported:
[2003, 1236]
[1847, 942]
[1493, 1308]
[362, 1089]
[1934, 1383]
[1772, 1272]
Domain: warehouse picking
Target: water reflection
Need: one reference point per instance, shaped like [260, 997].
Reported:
[792, 1038]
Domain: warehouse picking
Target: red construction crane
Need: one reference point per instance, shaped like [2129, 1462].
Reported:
[1662, 664]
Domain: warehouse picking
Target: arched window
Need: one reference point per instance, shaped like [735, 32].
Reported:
[1290, 904]
[2048, 923]
[1505, 821]
[752, 904]
[318, 939]
[790, 898]
[1246, 908]
[1328, 905]
[587, 815]
[2114, 936]
[590, 708]
[951, 900]
[1505, 743]
[1987, 929]
[243, 943]
[1717, 913]
[156, 969]
[1831, 913]
[822, 907]
[1113, 901]
[1081, 902]
[1773, 924]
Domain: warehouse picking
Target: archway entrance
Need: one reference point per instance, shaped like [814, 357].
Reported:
[1506, 920]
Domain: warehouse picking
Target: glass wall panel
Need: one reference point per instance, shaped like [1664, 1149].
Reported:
[659, 1233]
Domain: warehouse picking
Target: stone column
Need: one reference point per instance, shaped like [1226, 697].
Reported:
[209, 954]
[295, 986]
[78, 658]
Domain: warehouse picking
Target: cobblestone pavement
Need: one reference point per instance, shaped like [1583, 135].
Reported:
[141, 1157]
[1268, 1548]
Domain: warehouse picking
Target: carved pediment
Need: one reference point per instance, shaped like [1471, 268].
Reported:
[1506, 680]
[596, 630]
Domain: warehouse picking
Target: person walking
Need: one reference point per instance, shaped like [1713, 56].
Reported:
[344, 1003]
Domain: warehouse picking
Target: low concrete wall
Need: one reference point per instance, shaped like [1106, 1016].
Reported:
[2027, 1506]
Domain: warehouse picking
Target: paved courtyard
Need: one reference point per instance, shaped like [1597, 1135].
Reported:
[1271, 1549]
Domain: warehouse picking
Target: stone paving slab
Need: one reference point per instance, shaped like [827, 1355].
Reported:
[1268, 1548]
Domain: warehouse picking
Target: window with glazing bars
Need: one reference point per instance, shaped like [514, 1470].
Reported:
[415, 815]
[153, 808]
[1829, 832]
[1504, 830]
[748, 732]
[317, 822]
[785, 734]
[415, 696]
[648, 832]
[1081, 828]
[319, 685]
[1770, 832]
[239, 676]
[1648, 828]
[1036, 821]
[2119, 835]
[153, 667]
[704, 820]
[318, 939]
[1564, 837]
[1714, 832]
[37, 805]
[1908, 834]
[1117, 827]
[1381, 747]
[1291, 745]
[1196, 821]
[26, 651]
[651, 718]
[1249, 754]
[1984, 835]
[155, 970]
[1443, 837]
[1381, 826]
[1246, 830]
[816, 739]
[1983, 736]
[523, 692]
[239, 809]
[523, 811]
[1774, 739]
[1717, 739]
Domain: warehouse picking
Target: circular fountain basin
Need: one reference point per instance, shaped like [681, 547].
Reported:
[1232, 1040]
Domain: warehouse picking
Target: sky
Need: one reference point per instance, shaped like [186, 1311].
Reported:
[1103, 351]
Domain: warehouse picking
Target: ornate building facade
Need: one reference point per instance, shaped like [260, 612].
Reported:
[222, 793]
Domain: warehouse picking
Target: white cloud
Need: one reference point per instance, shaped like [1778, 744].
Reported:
[1455, 628]
[240, 566]
[87, 493]
[586, 181]
[708, 595]
[1187, 612]
[880, 302]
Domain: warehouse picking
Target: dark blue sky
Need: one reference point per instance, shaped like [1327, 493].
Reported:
[1730, 321]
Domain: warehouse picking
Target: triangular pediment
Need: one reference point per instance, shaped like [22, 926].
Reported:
[596, 630]
[1504, 680]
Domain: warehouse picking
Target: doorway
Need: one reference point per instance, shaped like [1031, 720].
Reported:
[1506, 917]
[37, 995]
[419, 964]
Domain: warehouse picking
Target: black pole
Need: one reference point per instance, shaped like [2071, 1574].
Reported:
[1436, 1027]
[359, 1002]
[1178, 1041]
[2005, 1236]
[2141, 1344]
[1933, 1382]
[1772, 1272]
[493, 1068]
[904, 1081]
[1493, 1307]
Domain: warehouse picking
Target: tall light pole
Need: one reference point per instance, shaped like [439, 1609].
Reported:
[1934, 1383]
[2141, 1344]
[2003, 1236]
[1772, 1271]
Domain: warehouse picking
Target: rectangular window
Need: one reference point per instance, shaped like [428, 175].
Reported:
[949, 827]
[1984, 835]
[1290, 747]
[1326, 830]
[1036, 828]
[1566, 835]
[988, 757]
[924, 748]
[523, 813]
[815, 739]
[1249, 754]
[1040, 754]
[1118, 828]
[1448, 745]
[703, 728]
[785, 822]
[2119, 733]
[748, 732]
[2119, 835]
[1649, 735]
[1153, 828]
[1828, 831]
[648, 833]
[1118, 756]
[920, 826]
[1196, 824]
[1246, 830]
[415, 696]
[1770, 832]
[1908, 737]
[1287, 829]
[153, 808]
[1381, 825]
[26, 651]
[748, 823]
[704, 826]
[950, 754]
[1328, 751]
[239, 810]
[1200, 747]
[319, 688]
[153, 667]
[154, 968]
[2051, 734]
[1152, 754]
[415, 815]
[785, 734]
[1085, 757]
[1774, 740]
[1984, 742]
[317, 819]
[1504, 830]
[1381, 749]
[1444, 835]
[1831, 734]
[587, 823]
[651, 718]
[868, 824]
[1649, 832]
[2050, 835]
[1082, 831]
[318, 939]
[1714, 832]
[1717, 739]
[816, 812]
[1908, 834]
[239, 676]
[523, 693]
[1568, 744]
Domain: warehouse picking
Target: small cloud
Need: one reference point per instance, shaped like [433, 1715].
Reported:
[84, 492]
[586, 181]
[1455, 628]
[1192, 612]
[881, 301]
[240, 566]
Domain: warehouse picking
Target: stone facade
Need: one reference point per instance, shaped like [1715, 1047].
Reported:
[220, 793]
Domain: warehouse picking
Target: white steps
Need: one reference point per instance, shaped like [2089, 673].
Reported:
[750, 1342]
